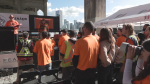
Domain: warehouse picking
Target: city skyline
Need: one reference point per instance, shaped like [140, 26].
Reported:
[71, 11]
[74, 9]
[65, 24]
[72, 26]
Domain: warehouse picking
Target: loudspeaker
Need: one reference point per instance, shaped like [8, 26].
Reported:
[7, 40]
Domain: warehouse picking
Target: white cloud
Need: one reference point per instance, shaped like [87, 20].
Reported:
[40, 12]
[67, 11]
[111, 1]
[51, 12]
[108, 14]
[72, 11]
[48, 4]
[81, 20]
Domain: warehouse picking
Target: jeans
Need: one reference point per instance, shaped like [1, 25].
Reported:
[85, 77]
[45, 67]
[52, 58]
[105, 75]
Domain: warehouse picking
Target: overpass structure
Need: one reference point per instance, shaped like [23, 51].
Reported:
[23, 6]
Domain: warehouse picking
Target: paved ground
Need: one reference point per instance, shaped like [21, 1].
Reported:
[10, 79]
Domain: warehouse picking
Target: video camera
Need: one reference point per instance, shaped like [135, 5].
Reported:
[124, 48]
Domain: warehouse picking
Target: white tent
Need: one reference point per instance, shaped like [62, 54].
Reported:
[129, 15]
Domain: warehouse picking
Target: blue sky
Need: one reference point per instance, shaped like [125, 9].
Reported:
[74, 9]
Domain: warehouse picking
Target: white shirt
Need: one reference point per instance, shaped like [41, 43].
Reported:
[127, 76]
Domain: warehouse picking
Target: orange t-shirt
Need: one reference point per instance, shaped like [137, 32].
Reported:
[43, 47]
[97, 37]
[13, 23]
[64, 47]
[144, 81]
[120, 40]
[87, 48]
[53, 45]
[41, 30]
[130, 41]
[62, 39]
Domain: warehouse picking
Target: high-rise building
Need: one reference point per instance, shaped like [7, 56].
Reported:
[78, 24]
[65, 21]
[59, 13]
[75, 24]
[68, 25]
[71, 26]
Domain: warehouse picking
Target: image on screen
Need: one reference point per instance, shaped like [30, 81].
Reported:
[46, 21]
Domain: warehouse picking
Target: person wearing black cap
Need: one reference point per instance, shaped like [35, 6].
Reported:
[85, 56]
[67, 55]
[64, 37]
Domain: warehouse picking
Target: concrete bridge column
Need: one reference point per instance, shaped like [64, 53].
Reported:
[19, 6]
[45, 8]
[94, 10]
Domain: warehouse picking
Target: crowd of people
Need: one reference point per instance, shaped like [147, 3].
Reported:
[87, 53]
[93, 53]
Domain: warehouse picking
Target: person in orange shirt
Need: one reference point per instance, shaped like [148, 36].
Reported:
[15, 24]
[122, 38]
[95, 35]
[43, 26]
[43, 48]
[53, 45]
[85, 56]
[142, 67]
[64, 37]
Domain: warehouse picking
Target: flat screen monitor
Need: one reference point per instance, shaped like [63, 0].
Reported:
[51, 21]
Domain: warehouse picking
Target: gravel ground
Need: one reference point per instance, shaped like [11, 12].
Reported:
[8, 79]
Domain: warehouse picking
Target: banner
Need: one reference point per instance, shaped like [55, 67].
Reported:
[21, 18]
[8, 60]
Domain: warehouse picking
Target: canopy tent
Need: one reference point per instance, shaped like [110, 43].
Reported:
[133, 14]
